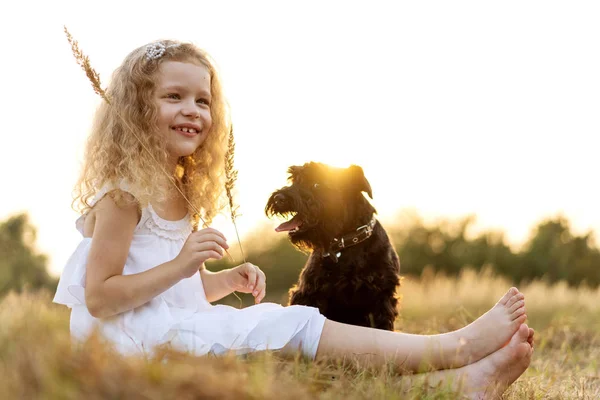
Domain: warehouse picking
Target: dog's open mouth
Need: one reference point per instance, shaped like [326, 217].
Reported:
[291, 226]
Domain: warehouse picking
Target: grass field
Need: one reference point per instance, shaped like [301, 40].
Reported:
[37, 360]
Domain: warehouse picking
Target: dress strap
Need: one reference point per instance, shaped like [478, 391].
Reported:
[107, 187]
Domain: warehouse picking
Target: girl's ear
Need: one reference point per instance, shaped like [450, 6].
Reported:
[358, 181]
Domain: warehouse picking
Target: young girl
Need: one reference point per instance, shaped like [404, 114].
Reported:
[138, 275]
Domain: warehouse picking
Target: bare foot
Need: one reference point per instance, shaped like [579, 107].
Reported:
[488, 378]
[493, 329]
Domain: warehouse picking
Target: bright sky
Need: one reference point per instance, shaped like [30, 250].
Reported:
[450, 107]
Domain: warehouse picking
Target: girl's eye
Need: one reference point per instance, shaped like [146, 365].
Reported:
[203, 101]
[173, 96]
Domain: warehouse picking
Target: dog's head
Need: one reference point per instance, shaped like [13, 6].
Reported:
[322, 203]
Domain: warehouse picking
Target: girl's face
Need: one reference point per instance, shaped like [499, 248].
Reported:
[183, 99]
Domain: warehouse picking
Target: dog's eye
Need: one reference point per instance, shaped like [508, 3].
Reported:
[316, 186]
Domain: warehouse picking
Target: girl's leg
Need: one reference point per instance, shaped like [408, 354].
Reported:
[489, 377]
[414, 352]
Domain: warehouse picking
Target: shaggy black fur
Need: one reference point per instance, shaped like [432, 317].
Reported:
[326, 203]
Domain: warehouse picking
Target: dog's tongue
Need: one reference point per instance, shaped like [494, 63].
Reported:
[289, 225]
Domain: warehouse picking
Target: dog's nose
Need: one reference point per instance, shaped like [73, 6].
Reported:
[279, 199]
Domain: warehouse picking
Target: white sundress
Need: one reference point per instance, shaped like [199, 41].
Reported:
[181, 316]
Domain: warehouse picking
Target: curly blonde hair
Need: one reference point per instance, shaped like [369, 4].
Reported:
[125, 131]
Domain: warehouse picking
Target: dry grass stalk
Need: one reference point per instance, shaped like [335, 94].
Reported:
[84, 62]
[231, 176]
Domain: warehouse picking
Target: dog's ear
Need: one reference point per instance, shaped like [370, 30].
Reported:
[293, 171]
[358, 180]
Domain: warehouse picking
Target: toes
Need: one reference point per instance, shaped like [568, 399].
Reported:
[520, 319]
[522, 334]
[511, 292]
[522, 352]
[514, 299]
[517, 306]
[530, 338]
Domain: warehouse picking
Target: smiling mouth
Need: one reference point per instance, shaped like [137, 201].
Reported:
[190, 132]
[291, 226]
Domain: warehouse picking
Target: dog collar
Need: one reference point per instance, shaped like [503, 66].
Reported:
[361, 234]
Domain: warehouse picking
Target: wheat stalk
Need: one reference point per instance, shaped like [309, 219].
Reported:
[84, 62]
[231, 176]
[94, 78]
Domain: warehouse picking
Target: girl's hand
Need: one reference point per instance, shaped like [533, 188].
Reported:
[200, 246]
[248, 278]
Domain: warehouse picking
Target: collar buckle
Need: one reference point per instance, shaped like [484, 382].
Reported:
[362, 233]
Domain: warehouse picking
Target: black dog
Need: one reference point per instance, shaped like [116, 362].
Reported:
[353, 271]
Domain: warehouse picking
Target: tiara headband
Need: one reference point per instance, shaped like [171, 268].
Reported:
[156, 50]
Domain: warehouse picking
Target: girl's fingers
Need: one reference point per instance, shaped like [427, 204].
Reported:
[205, 246]
[260, 282]
[251, 274]
[211, 254]
[209, 231]
[257, 280]
[200, 237]
[260, 296]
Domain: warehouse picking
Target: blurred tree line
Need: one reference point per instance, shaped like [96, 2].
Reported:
[21, 267]
[552, 252]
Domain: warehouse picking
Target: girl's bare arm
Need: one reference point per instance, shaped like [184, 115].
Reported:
[108, 291]
[215, 284]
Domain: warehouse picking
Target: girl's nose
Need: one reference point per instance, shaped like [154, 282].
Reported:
[191, 111]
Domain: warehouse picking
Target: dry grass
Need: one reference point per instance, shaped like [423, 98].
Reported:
[37, 359]
[231, 175]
